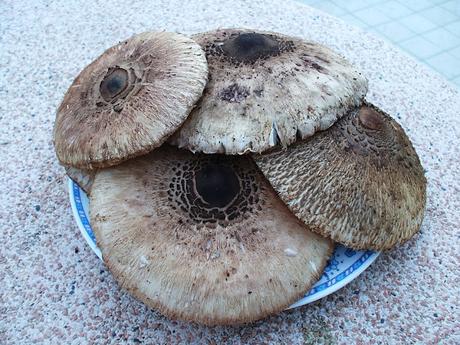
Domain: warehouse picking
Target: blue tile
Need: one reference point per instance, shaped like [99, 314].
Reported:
[372, 16]
[420, 47]
[349, 18]
[446, 64]
[452, 6]
[442, 38]
[454, 28]
[439, 15]
[455, 52]
[427, 29]
[417, 5]
[354, 5]
[395, 31]
[394, 9]
[330, 7]
[417, 23]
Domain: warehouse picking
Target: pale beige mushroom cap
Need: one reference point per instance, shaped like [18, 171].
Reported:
[84, 178]
[203, 238]
[267, 89]
[129, 100]
[360, 182]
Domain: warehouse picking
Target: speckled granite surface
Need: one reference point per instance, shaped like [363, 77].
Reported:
[55, 290]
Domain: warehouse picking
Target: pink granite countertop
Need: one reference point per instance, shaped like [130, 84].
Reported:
[56, 291]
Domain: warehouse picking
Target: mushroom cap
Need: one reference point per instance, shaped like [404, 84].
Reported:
[203, 238]
[267, 89]
[129, 100]
[84, 178]
[360, 182]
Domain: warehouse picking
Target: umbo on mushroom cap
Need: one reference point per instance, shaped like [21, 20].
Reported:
[84, 178]
[129, 100]
[203, 238]
[267, 89]
[360, 182]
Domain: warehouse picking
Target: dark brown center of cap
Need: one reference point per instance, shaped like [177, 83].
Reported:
[249, 47]
[214, 189]
[115, 82]
[370, 118]
[217, 184]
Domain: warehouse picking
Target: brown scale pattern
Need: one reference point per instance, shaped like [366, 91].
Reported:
[361, 187]
[106, 118]
[267, 90]
[380, 146]
[183, 195]
[280, 46]
[234, 271]
[117, 102]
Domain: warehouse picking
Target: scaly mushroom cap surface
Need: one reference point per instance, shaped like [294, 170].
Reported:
[129, 100]
[203, 238]
[360, 182]
[267, 89]
[84, 178]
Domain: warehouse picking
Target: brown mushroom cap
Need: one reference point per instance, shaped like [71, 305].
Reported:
[129, 100]
[360, 182]
[84, 178]
[203, 238]
[267, 89]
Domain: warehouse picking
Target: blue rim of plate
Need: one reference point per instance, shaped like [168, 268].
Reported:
[325, 286]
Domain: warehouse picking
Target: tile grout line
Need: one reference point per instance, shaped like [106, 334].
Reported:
[423, 60]
[374, 29]
[398, 18]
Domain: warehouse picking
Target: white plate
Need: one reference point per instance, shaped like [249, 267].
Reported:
[344, 266]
